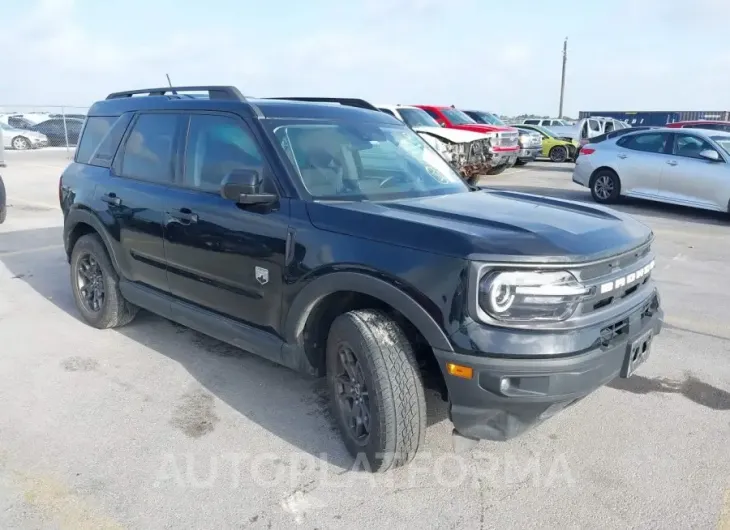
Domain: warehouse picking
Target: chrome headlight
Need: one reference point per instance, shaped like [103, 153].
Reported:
[529, 296]
[524, 139]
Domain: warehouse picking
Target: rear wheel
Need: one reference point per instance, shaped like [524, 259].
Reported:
[376, 389]
[520, 162]
[558, 154]
[95, 285]
[605, 186]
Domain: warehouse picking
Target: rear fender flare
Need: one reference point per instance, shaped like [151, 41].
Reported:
[77, 216]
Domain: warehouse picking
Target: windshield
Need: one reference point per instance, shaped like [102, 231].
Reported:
[356, 161]
[417, 118]
[456, 117]
[488, 118]
[722, 141]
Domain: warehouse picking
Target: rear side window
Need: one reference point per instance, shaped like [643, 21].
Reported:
[594, 125]
[532, 122]
[148, 151]
[96, 130]
[647, 142]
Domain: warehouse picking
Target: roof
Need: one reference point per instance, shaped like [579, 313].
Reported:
[696, 122]
[228, 99]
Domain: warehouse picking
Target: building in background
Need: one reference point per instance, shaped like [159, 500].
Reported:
[660, 117]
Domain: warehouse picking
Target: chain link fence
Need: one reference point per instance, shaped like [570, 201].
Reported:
[46, 127]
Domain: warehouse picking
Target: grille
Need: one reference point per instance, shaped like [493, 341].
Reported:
[617, 279]
[508, 139]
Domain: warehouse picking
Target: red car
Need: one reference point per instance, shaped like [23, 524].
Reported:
[702, 124]
[504, 150]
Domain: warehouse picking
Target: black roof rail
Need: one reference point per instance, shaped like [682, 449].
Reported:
[350, 102]
[230, 93]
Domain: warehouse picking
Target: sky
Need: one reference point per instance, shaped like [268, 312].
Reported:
[493, 55]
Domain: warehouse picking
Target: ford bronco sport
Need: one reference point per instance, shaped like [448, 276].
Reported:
[334, 240]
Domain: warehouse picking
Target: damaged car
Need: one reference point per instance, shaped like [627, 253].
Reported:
[468, 151]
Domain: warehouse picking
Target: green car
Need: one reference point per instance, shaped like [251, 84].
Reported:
[553, 147]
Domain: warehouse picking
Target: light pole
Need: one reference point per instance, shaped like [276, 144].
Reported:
[562, 77]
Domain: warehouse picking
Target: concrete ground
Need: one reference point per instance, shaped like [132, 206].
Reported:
[155, 426]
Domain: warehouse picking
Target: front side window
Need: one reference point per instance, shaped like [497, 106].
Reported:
[418, 118]
[456, 117]
[364, 161]
[489, 119]
[689, 146]
[217, 145]
[723, 141]
[148, 150]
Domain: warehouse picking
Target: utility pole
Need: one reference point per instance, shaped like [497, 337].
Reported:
[562, 78]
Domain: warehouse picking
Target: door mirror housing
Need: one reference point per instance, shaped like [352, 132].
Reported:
[711, 155]
[246, 187]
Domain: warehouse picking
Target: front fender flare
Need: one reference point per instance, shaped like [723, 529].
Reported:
[334, 282]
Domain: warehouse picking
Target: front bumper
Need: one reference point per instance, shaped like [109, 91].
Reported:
[501, 158]
[528, 153]
[485, 407]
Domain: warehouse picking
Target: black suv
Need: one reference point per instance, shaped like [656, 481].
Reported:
[331, 239]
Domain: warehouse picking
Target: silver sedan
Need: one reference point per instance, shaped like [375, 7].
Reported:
[689, 168]
[21, 139]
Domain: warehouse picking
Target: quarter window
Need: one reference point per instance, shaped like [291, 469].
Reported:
[149, 147]
[96, 129]
[216, 146]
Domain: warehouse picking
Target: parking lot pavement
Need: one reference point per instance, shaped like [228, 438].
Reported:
[155, 426]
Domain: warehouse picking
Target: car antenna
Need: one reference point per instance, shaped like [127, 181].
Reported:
[170, 83]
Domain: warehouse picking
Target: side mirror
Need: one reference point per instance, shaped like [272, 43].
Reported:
[710, 154]
[245, 186]
[442, 123]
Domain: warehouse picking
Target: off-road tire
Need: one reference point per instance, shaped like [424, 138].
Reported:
[115, 310]
[558, 154]
[397, 402]
[595, 184]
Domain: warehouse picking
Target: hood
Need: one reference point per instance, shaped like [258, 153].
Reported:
[565, 132]
[488, 224]
[453, 135]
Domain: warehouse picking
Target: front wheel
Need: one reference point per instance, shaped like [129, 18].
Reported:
[20, 143]
[376, 390]
[605, 186]
[558, 154]
[498, 170]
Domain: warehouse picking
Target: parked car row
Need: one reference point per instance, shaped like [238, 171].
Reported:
[33, 131]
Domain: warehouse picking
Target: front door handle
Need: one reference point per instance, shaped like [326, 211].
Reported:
[672, 162]
[184, 215]
[622, 156]
[111, 198]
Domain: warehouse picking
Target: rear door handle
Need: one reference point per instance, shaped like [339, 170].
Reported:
[672, 162]
[111, 198]
[184, 215]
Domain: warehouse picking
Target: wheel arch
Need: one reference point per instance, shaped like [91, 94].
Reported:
[81, 222]
[315, 307]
